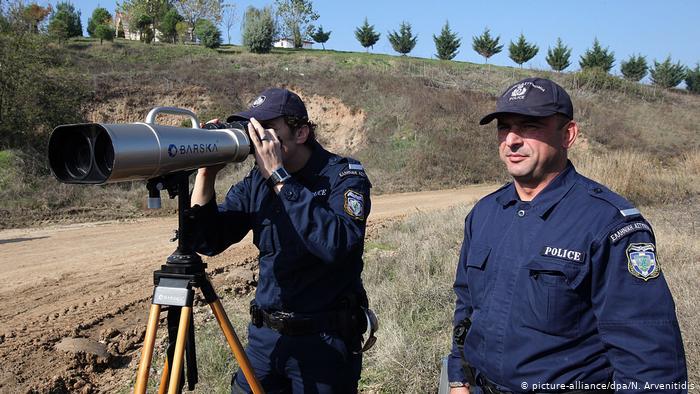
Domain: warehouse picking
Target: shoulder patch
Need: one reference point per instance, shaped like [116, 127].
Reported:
[628, 229]
[627, 210]
[354, 166]
[354, 204]
[641, 261]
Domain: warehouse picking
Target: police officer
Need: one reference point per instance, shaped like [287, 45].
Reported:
[307, 209]
[558, 276]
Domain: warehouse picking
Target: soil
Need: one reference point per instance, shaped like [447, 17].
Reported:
[75, 297]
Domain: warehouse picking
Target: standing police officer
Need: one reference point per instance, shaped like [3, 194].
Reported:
[558, 276]
[307, 209]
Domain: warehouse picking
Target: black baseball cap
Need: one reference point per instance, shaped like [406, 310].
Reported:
[532, 97]
[273, 103]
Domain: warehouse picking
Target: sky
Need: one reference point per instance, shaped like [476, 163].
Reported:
[654, 29]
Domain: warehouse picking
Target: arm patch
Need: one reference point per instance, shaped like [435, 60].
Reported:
[628, 229]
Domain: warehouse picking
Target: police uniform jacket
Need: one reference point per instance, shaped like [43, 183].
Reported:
[310, 235]
[563, 289]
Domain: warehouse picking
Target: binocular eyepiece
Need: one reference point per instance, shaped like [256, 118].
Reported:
[96, 153]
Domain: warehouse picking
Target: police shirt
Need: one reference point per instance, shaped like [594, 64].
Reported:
[310, 235]
[565, 289]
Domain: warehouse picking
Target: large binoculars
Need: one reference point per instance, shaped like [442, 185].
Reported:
[96, 153]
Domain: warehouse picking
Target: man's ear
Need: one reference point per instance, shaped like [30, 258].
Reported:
[302, 134]
[570, 135]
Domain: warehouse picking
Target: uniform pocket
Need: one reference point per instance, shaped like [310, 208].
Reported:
[477, 277]
[551, 303]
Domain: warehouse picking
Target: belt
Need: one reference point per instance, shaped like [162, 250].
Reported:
[489, 388]
[291, 323]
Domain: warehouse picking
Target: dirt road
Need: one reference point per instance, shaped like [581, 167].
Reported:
[94, 282]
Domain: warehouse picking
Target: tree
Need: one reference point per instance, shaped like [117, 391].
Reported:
[404, 41]
[34, 15]
[447, 43]
[635, 68]
[66, 21]
[168, 26]
[692, 79]
[297, 17]
[182, 28]
[99, 16]
[522, 51]
[485, 45]
[259, 29]
[229, 16]
[207, 33]
[558, 57]
[194, 10]
[321, 36]
[366, 35]
[104, 32]
[145, 16]
[666, 74]
[597, 57]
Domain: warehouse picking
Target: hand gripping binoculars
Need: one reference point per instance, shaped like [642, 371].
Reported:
[96, 153]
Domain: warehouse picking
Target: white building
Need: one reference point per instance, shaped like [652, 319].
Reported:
[289, 43]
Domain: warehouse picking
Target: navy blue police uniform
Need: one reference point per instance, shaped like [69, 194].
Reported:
[564, 292]
[311, 238]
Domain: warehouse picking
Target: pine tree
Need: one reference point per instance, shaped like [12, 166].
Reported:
[99, 16]
[692, 79]
[447, 43]
[66, 20]
[558, 57]
[597, 57]
[404, 41]
[635, 68]
[485, 45]
[321, 36]
[522, 51]
[366, 35]
[667, 74]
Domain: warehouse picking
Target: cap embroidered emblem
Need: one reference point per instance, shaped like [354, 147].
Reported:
[641, 261]
[519, 90]
[258, 101]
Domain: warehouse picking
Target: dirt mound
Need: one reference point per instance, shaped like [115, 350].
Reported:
[129, 103]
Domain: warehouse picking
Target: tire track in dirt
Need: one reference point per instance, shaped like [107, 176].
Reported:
[95, 281]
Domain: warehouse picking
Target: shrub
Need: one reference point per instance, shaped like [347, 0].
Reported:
[258, 29]
[208, 34]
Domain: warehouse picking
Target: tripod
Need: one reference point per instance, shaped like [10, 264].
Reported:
[174, 289]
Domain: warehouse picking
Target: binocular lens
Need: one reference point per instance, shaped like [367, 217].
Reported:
[104, 153]
[77, 156]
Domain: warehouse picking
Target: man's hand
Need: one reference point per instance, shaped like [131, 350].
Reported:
[459, 390]
[268, 148]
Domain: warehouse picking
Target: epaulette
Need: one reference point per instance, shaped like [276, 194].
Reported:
[350, 167]
[626, 209]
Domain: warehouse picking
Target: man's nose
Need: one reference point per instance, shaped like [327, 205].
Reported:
[513, 137]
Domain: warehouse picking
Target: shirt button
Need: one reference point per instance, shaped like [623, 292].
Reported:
[521, 213]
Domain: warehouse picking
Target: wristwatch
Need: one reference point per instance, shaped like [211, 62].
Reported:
[277, 176]
[454, 385]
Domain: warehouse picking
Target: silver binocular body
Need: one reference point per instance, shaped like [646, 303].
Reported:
[96, 153]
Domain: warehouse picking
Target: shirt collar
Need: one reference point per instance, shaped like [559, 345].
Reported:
[317, 160]
[548, 197]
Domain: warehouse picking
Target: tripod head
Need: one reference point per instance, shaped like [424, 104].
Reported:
[184, 260]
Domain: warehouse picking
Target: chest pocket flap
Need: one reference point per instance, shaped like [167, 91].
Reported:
[574, 273]
[477, 256]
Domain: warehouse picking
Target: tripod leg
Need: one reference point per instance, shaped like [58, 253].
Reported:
[174, 385]
[163, 387]
[147, 352]
[236, 346]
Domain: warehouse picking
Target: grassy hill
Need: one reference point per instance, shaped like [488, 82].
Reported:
[412, 122]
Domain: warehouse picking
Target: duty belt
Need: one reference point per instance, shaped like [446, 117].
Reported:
[290, 323]
[489, 388]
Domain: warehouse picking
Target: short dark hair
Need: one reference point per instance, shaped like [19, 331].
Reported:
[294, 123]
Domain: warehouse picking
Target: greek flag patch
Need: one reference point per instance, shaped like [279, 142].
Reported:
[353, 166]
[641, 261]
